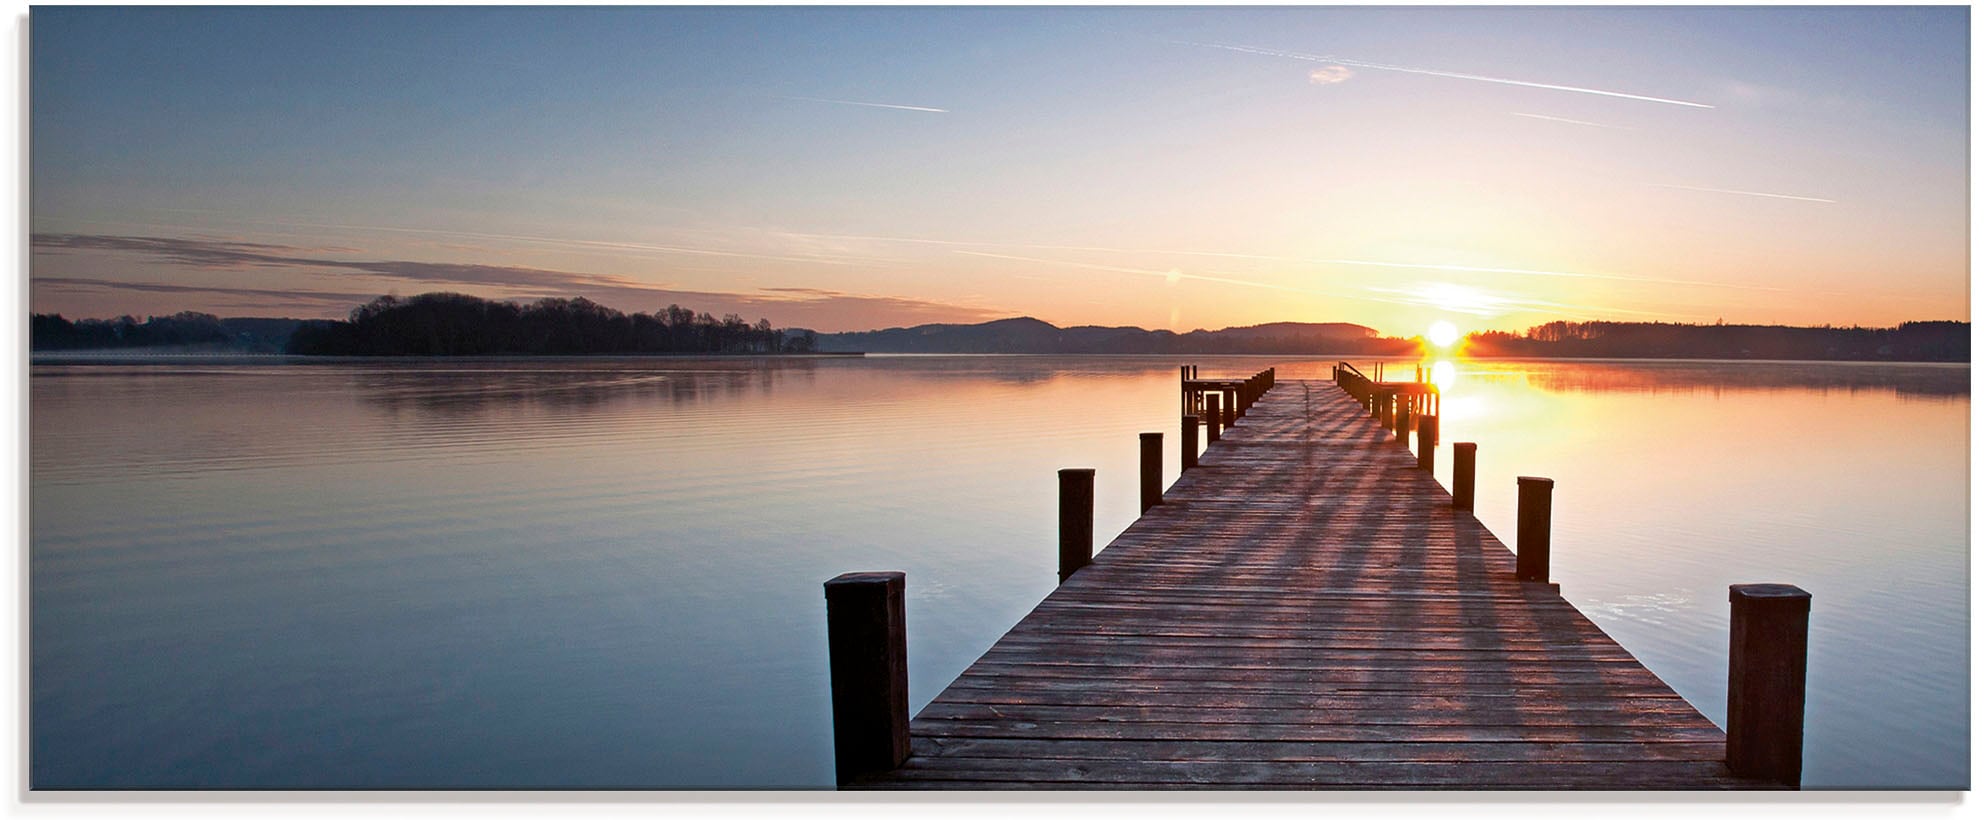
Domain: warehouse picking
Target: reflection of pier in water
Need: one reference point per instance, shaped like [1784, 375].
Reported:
[1306, 607]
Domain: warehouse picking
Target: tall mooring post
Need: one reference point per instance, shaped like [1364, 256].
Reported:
[1077, 520]
[868, 666]
[1150, 470]
[1464, 476]
[1533, 528]
[1767, 643]
[1213, 417]
[1429, 441]
[1188, 443]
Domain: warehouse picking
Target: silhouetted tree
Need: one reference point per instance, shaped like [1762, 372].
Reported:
[446, 324]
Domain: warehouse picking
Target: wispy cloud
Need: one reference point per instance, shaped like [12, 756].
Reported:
[1568, 121]
[73, 283]
[1475, 301]
[1319, 58]
[1330, 75]
[1551, 273]
[811, 307]
[1653, 280]
[1171, 275]
[1741, 193]
[922, 108]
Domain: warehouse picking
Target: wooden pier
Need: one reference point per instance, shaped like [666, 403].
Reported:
[1308, 608]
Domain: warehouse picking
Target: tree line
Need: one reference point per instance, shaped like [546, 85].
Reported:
[455, 324]
[49, 331]
[1910, 341]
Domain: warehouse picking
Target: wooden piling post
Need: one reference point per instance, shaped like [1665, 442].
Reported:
[1767, 640]
[1464, 476]
[1533, 528]
[868, 668]
[1402, 420]
[1150, 476]
[1213, 417]
[1427, 438]
[1077, 519]
[1230, 400]
[1188, 443]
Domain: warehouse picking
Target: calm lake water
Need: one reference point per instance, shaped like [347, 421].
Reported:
[606, 572]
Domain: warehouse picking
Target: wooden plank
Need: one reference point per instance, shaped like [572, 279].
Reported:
[1340, 774]
[1309, 751]
[1306, 610]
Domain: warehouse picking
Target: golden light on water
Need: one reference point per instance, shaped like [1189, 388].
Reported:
[1443, 375]
[1443, 333]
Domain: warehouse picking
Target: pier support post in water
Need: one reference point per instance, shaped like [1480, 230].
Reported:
[1464, 476]
[1767, 627]
[1150, 476]
[1533, 528]
[868, 666]
[1077, 520]
[1402, 420]
[1231, 402]
[1188, 444]
[1213, 417]
[1429, 441]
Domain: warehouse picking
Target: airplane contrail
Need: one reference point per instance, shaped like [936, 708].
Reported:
[1742, 193]
[1315, 58]
[1566, 120]
[872, 104]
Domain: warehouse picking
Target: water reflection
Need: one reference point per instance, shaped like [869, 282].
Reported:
[606, 572]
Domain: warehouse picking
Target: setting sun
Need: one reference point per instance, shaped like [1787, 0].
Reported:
[1443, 333]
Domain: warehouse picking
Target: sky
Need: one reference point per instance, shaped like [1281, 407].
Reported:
[858, 168]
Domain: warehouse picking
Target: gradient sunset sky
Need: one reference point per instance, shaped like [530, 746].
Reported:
[847, 169]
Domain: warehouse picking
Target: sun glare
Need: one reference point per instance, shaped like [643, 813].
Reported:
[1443, 333]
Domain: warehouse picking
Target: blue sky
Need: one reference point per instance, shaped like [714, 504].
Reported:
[1166, 167]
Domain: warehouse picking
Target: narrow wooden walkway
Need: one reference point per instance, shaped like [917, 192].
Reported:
[1306, 610]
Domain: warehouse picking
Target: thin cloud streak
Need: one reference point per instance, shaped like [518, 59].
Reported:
[1548, 118]
[1553, 273]
[843, 310]
[1742, 193]
[872, 104]
[1169, 275]
[74, 283]
[635, 248]
[1294, 259]
[1315, 58]
[1491, 305]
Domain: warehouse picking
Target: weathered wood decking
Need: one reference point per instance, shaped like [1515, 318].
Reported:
[1306, 610]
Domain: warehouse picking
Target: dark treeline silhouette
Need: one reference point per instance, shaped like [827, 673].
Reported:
[197, 331]
[1911, 341]
[454, 324]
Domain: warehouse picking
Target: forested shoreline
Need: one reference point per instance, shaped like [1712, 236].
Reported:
[453, 324]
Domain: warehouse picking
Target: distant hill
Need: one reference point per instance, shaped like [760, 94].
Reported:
[1029, 335]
